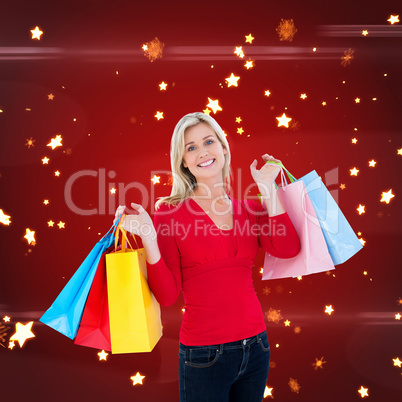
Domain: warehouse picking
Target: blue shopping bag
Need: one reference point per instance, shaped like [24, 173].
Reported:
[64, 315]
[340, 238]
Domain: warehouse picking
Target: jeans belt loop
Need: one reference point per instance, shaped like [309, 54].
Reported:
[220, 348]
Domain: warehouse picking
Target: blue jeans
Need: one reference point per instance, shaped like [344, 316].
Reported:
[235, 371]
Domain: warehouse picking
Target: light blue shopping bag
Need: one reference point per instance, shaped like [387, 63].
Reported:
[340, 238]
[64, 315]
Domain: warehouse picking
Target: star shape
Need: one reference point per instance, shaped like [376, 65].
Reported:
[267, 92]
[249, 64]
[357, 100]
[23, 332]
[57, 173]
[249, 38]
[156, 179]
[362, 241]
[46, 202]
[238, 119]
[239, 51]
[113, 191]
[4, 219]
[232, 80]
[386, 196]
[283, 120]
[393, 19]
[102, 355]
[240, 131]
[397, 316]
[50, 224]
[354, 140]
[144, 48]
[303, 96]
[324, 103]
[55, 142]
[329, 310]
[287, 323]
[61, 225]
[360, 209]
[50, 97]
[30, 236]
[372, 163]
[11, 345]
[268, 391]
[45, 160]
[137, 379]
[214, 105]
[162, 86]
[36, 33]
[399, 151]
[364, 32]
[6, 318]
[354, 171]
[159, 115]
[397, 362]
[363, 391]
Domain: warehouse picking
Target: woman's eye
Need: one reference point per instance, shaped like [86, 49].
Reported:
[189, 148]
[209, 141]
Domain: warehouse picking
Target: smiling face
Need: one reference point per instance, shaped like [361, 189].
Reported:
[203, 155]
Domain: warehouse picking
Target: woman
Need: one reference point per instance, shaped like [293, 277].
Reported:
[203, 242]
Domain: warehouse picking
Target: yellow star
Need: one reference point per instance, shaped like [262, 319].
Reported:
[30, 236]
[364, 32]
[159, 115]
[240, 131]
[23, 332]
[55, 142]
[354, 171]
[397, 316]
[239, 51]
[372, 163]
[324, 103]
[354, 140]
[4, 219]
[397, 362]
[61, 225]
[214, 105]
[357, 100]
[163, 86]
[144, 48]
[113, 191]
[232, 80]
[399, 151]
[362, 241]
[57, 173]
[156, 179]
[287, 323]
[386, 197]
[137, 379]
[360, 209]
[45, 160]
[46, 202]
[303, 96]
[363, 391]
[329, 309]
[268, 391]
[267, 92]
[102, 355]
[249, 64]
[283, 120]
[6, 318]
[249, 39]
[393, 19]
[36, 33]
[50, 224]
[11, 345]
[238, 119]
[50, 97]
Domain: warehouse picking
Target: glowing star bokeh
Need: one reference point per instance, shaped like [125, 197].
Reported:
[364, 32]
[347, 57]
[363, 391]
[238, 119]
[232, 80]
[329, 310]
[113, 191]
[397, 362]
[387, 196]
[239, 51]
[354, 171]
[30, 142]
[249, 38]
[393, 19]
[61, 225]
[55, 142]
[207, 111]
[30, 236]
[103, 355]
[45, 160]
[156, 179]
[283, 120]
[137, 379]
[294, 385]
[303, 96]
[249, 64]
[354, 140]
[50, 224]
[159, 115]
[372, 163]
[4, 218]
[153, 50]
[274, 315]
[240, 130]
[267, 92]
[6, 318]
[214, 105]
[162, 86]
[268, 391]
[23, 332]
[36, 33]
[50, 97]
[361, 209]
[286, 30]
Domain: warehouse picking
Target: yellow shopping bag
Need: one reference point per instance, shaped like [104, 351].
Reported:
[135, 318]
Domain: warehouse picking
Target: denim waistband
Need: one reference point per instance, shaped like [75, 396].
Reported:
[230, 345]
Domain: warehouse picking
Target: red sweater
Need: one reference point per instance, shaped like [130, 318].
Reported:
[212, 267]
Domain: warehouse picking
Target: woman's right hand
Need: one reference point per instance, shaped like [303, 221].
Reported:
[139, 223]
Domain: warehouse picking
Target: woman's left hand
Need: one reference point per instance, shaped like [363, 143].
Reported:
[268, 173]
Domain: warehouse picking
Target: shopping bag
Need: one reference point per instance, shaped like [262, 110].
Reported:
[313, 256]
[94, 330]
[134, 313]
[64, 315]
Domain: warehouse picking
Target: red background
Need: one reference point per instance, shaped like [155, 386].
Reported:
[83, 45]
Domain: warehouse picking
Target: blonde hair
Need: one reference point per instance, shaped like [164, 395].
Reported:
[184, 182]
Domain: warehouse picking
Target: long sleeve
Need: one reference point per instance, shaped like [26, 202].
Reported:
[164, 277]
[277, 235]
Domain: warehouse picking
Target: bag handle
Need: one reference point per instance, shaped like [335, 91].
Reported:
[124, 237]
[283, 169]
